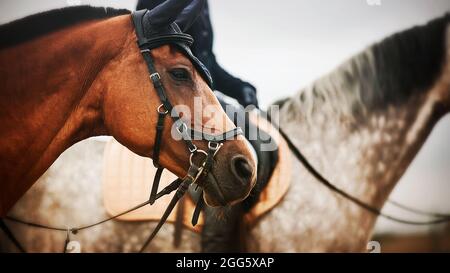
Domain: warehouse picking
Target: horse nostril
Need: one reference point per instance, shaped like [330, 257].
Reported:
[241, 167]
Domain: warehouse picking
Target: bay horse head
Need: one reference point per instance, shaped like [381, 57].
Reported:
[84, 75]
[179, 86]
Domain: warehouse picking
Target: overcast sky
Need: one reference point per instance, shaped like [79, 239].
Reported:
[281, 46]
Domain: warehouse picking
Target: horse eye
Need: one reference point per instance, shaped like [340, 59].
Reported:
[179, 74]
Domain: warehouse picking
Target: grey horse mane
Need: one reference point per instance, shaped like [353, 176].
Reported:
[385, 74]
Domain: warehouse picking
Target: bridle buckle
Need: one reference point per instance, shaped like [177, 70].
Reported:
[160, 108]
[155, 74]
[193, 149]
[191, 162]
[213, 145]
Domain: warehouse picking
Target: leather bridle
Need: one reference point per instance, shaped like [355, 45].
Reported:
[196, 170]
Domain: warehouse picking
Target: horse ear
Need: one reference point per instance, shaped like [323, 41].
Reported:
[165, 13]
[190, 14]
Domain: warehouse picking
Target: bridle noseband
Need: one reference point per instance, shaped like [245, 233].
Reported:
[198, 169]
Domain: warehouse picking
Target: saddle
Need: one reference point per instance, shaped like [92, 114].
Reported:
[127, 179]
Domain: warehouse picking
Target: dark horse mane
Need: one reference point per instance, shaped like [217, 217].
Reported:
[421, 49]
[36, 25]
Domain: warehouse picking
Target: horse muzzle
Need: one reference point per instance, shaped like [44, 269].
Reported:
[232, 176]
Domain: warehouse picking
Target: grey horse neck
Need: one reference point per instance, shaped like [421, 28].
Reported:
[362, 124]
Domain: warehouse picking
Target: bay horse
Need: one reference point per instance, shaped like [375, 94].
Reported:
[360, 126]
[70, 74]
